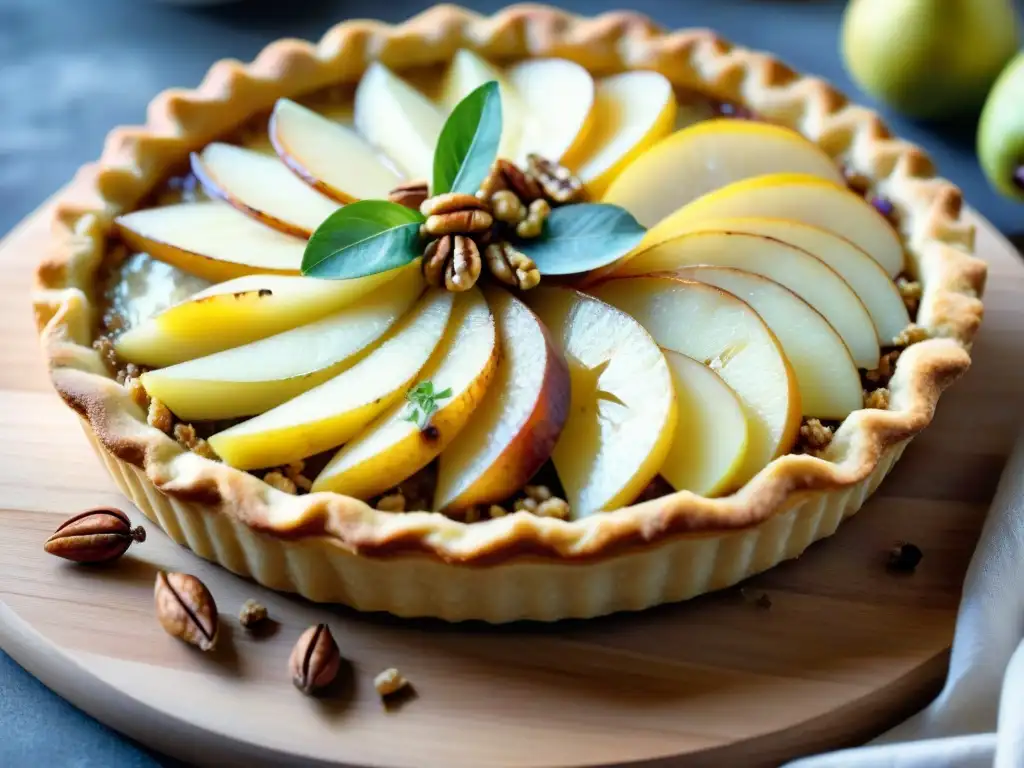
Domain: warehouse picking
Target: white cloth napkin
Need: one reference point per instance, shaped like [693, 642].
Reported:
[978, 719]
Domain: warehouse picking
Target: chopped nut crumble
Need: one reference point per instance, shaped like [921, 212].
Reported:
[294, 473]
[538, 493]
[276, 480]
[815, 437]
[393, 502]
[389, 682]
[160, 416]
[186, 436]
[886, 368]
[526, 505]
[911, 291]
[137, 392]
[252, 613]
[554, 508]
[877, 398]
[912, 334]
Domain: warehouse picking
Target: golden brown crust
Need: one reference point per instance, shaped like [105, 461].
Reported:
[135, 159]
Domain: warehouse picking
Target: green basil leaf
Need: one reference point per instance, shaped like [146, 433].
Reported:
[363, 238]
[468, 142]
[579, 238]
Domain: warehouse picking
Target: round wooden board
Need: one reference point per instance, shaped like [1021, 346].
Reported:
[844, 651]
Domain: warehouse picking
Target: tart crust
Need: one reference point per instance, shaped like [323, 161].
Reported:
[330, 547]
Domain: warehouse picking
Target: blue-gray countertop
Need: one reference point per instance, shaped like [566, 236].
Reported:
[72, 69]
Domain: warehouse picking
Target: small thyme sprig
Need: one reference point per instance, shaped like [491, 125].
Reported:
[423, 403]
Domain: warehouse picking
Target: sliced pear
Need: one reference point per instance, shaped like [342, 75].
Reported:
[632, 112]
[329, 156]
[704, 157]
[260, 187]
[516, 426]
[869, 281]
[810, 278]
[211, 240]
[332, 413]
[798, 197]
[256, 377]
[828, 379]
[723, 332]
[711, 435]
[623, 407]
[558, 100]
[394, 447]
[399, 120]
[240, 311]
[467, 72]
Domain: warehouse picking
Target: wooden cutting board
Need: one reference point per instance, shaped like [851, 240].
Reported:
[845, 650]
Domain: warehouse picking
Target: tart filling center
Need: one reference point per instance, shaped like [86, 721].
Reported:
[438, 293]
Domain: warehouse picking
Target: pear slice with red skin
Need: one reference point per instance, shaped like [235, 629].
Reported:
[328, 156]
[260, 187]
[514, 429]
[623, 409]
[398, 443]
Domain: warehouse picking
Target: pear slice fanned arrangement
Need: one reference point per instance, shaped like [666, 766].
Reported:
[756, 291]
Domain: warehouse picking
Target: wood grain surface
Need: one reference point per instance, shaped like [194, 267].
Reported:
[844, 651]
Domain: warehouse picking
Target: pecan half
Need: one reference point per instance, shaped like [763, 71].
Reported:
[186, 609]
[505, 175]
[455, 214]
[315, 659]
[452, 261]
[411, 194]
[95, 536]
[510, 266]
[557, 181]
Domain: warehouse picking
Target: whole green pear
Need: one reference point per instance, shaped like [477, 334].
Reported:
[1001, 132]
[928, 58]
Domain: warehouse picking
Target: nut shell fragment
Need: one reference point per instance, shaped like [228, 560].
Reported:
[98, 535]
[186, 609]
[315, 660]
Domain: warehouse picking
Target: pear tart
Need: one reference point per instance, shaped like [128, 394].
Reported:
[669, 316]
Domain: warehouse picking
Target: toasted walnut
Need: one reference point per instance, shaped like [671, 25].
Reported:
[105, 347]
[533, 225]
[507, 207]
[877, 398]
[389, 682]
[411, 194]
[186, 436]
[452, 261]
[160, 416]
[554, 507]
[137, 392]
[455, 214]
[505, 175]
[815, 437]
[294, 473]
[276, 480]
[912, 334]
[886, 368]
[510, 266]
[392, 502]
[911, 292]
[557, 181]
